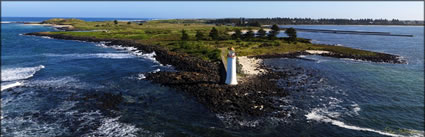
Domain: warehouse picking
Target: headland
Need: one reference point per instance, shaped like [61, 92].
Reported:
[195, 49]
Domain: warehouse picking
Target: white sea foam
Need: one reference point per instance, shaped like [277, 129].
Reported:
[10, 85]
[321, 60]
[131, 50]
[112, 127]
[27, 126]
[322, 115]
[233, 121]
[141, 76]
[356, 108]
[230, 121]
[12, 74]
[119, 47]
[329, 108]
[149, 56]
[66, 112]
[102, 44]
[5, 22]
[61, 82]
[46, 37]
[156, 70]
[94, 55]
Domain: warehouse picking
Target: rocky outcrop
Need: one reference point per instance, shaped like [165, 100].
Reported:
[204, 80]
[379, 57]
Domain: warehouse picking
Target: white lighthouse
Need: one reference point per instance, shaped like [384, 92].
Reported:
[231, 68]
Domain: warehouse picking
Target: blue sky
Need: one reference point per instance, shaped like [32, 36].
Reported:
[357, 9]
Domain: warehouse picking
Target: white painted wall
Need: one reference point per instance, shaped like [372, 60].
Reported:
[231, 71]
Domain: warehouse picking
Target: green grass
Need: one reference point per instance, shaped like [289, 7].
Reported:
[167, 33]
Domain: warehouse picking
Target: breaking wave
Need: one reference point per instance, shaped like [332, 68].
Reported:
[46, 37]
[93, 55]
[322, 102]
[132, 50]
[141, 76]
[68, 118]
[319, 115]
[10, 85]
[19, 73]
[62, 82]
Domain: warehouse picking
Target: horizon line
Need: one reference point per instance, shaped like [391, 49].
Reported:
[216, 18]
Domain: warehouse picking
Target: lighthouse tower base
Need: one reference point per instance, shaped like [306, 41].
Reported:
[231, 71]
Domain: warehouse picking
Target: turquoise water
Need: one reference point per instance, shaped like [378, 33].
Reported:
[47, 79]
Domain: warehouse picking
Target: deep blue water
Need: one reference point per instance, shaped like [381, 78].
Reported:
[340, 97]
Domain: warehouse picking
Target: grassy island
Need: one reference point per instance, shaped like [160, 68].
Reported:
[196, 49]
[168, 34]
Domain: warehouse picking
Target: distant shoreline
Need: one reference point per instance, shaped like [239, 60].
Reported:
[348, 25]
[418, 25]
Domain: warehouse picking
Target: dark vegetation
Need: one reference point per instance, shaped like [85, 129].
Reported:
[307, 21]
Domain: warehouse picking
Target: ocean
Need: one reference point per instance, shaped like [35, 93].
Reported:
[46, 86]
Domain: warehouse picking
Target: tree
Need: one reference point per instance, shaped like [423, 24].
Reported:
[214, 33]
[292, 33]
[261, 33]
[249, 35]
[273, 33]
[256, 24]
[275, 28]
[115, 22]
[199, 35]
[128, 23]
[185, 36]
[237, 34]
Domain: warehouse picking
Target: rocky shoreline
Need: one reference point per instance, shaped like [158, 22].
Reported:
[205, 80]
[380, 57]
[254, 96]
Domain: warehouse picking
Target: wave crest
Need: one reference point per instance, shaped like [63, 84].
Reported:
[10, 85]
[19, 73]
[93, 55]
[317, 116]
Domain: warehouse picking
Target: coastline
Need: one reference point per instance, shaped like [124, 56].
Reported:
[419, 25]
[380, 58]
[204, 80]
[60, 27]
[254, 63]
[251, 66]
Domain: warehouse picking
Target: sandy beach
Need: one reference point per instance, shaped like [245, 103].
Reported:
[317, 51]
[52, 25]
[251, 66]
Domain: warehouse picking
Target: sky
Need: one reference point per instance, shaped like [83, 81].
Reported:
[411, 10]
